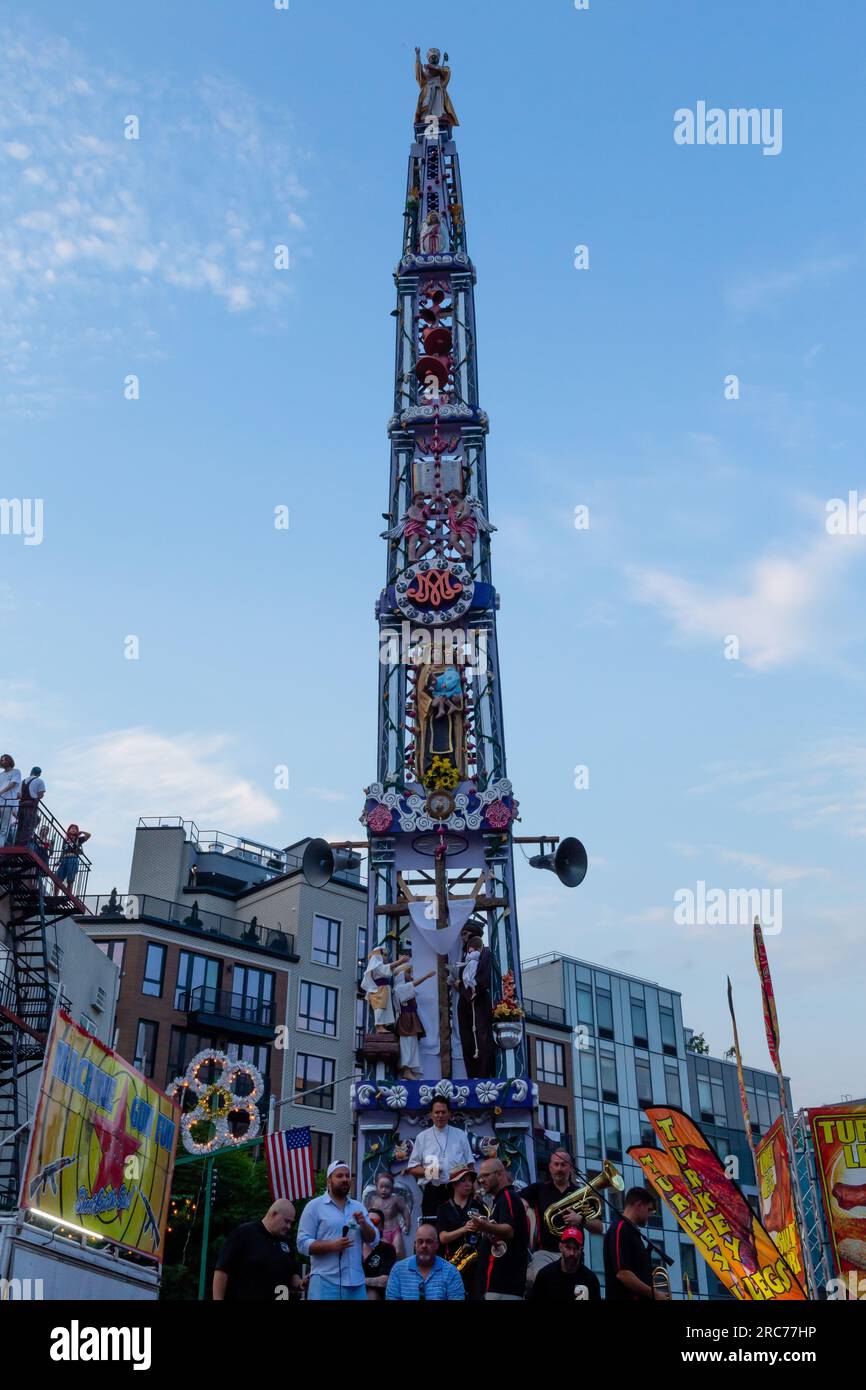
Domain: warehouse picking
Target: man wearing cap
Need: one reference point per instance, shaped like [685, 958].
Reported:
[540, 1195]
[569, 1279]
[332, 1229]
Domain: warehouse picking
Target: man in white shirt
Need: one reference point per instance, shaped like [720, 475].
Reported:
[437, 1151]
[331, 1233]
[10, 790]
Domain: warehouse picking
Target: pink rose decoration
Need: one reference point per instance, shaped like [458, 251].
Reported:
[379, 819]
[498, 815]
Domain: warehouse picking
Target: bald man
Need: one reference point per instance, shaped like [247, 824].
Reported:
[256, 1263]
[505, 1244]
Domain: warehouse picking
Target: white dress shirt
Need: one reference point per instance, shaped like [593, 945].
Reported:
[449, 1147]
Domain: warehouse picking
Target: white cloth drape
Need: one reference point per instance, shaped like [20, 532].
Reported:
[429, 942]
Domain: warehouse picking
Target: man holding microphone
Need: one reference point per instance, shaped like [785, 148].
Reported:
[331, 1232]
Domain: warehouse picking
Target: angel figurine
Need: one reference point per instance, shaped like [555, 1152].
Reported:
[413, 525]
[465, 519]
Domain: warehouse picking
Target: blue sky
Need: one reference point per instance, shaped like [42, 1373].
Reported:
[605, 388]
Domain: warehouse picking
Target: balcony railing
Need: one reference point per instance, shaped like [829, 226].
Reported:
[237, 1007]
[47, 840]
[271, 860]
[543, 1013]
[188, 917]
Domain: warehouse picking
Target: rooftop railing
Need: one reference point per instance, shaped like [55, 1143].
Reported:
[543, 1013]
[188, 917]
[267, 857]
[41, 832]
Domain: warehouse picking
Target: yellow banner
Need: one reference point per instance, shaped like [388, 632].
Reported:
[777, 1196]
[102, 1146]
[709, 1206]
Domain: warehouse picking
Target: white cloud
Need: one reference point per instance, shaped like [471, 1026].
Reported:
[779, 610]
[108, 781]
[771, 872]
[753, 291]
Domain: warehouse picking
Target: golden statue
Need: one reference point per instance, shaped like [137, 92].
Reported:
[433, 80]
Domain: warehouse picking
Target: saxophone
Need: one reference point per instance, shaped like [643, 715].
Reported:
[463, 1256]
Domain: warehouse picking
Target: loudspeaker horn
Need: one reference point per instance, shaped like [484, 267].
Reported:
[569, 863]
[320, 862]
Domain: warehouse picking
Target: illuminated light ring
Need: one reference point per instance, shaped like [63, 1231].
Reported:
[229, 1072]
[235, 1070]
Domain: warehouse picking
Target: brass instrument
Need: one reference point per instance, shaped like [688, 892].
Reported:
[661, 1282]
[463, 1256]
[585, 1202]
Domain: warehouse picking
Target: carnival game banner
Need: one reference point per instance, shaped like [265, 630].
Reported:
[839, 1135]
[709, 1206]
[777, 1197]
[102, 1147]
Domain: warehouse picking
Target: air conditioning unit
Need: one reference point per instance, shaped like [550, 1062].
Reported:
[98, 998]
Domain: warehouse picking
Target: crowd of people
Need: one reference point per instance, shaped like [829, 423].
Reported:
[21, 823]
[479, 1237]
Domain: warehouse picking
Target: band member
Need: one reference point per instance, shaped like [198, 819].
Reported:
[505, 1248]
[460, 1245]
[393, 1209]
[568, 1278]
[627, 1264]
[475, 1010]
[541, 1195]
[437, 1151]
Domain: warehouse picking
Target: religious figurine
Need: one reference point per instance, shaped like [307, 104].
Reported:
[474, 1010]
[433, 80]
[376, 985]
[414, 527]
[432, 235]
[394, 1205]
[440, 719]
[465, 519]
[409, 1025]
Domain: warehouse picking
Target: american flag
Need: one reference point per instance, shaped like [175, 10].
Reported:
[289, 1157]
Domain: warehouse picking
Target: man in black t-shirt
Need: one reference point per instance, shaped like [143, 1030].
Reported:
[568, 1280]
[378, 1261]
[538, 1196]
[256, 1263]
[505, 1248]
[627, 1264]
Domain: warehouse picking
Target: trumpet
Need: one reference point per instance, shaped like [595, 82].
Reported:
[661, 1282]
[586, 1202]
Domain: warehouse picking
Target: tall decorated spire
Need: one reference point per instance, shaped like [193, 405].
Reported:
[442, 981]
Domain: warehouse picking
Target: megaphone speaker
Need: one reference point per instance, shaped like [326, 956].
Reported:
[569, 863]
[317, 864]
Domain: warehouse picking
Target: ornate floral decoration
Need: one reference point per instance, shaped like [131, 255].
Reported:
[217, 1101]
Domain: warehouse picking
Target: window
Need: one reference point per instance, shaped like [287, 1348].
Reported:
[145, 1046]
[550, 1060]
[763, 1110]
[360, 1022]
[584, 1006]
[669, 1033]
[648, 1137]
[317, 1009]
[362, 951]
[553, 1118]
[607, 1062]
[638, 1023]
[326, 941]
[705, 1098]
[312, 1073]
[592, 1132]
[612, 1134]
[673, 1095]
[689, 1266]
[719, 1107]
[643, 1075]
[253, 994]
[194, 973]
[87, 1023]
[605, 1013]
[114, 951]
[154, 970]
[588, 1079]
[322, 1145]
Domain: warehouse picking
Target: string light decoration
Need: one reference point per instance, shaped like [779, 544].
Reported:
[217, 1101]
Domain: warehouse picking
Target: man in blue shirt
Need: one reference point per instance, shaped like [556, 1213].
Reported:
[331, 1231]
[424, 1275]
